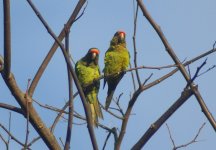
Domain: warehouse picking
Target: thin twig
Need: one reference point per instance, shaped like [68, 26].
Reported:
[118, 105]
[28, 102]
[146, 80]
[9, 129]
[197, 72]
[6, 143]
[194, 140]
[105, 142]
[111, 113]
[134, 44]
[170, 135]
[209, 69]
[133, 79]
[12, 137]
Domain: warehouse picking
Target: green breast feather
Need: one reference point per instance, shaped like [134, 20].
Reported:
[87, 74]
[116, 61]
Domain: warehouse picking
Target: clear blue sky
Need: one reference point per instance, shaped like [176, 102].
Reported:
[190, 29]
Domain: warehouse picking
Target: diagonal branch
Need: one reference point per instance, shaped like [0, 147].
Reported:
[54, 47]
[70, 91]
[9, 79]
[178, 63]
[35, 119]
[186, 94]
[12, 137]
[7, 38]
[12, 108]
[79, 88]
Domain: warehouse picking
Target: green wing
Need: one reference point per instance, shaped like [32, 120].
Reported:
[86, 74]
[116, 60]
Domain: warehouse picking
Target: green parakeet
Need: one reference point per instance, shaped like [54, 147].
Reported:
[87, 70]
[116, 62]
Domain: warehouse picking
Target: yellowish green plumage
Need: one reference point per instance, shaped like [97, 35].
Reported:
[87, 70]
[116, 62]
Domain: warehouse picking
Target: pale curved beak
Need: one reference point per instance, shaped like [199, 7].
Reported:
[122, 36]
[94, 55]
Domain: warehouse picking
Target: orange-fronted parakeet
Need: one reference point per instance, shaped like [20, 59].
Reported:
[116, 62]
[87, 70]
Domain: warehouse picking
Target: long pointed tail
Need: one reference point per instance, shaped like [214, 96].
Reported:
[96, 112]
[109, 98]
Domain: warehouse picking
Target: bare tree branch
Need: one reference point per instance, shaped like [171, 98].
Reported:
[197, 72]
[67, 59]
[178, 63]
[9, 79]
[134, 45]
[6, 143]
[133, 79]
[55, 45]
[28, 102]
[70, 91]
[7, 38]
[12, 108]
[209, 69]
[12, 137]
[194, 140]
[170, 135]
[186, 94]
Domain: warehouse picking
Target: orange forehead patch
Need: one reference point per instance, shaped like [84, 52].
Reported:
[120, 32]
[94, 51]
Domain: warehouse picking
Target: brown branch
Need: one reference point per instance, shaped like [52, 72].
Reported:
[79, 88]
[111, 113]
[134, 45]
[178, 63]
[5, 142]
[9, 79]
[12, 108]
[186, 94]
[133, 79]
[1, 64]
[70, 91]
[55, 45]
[7, 38]
[128, 70]
[34, 118]
[118, 105]
[28, 102]
[175, 70]
[126, 118]
[9, 128]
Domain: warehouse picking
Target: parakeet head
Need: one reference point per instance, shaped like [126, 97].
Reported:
[118, 38]
[92, 56]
